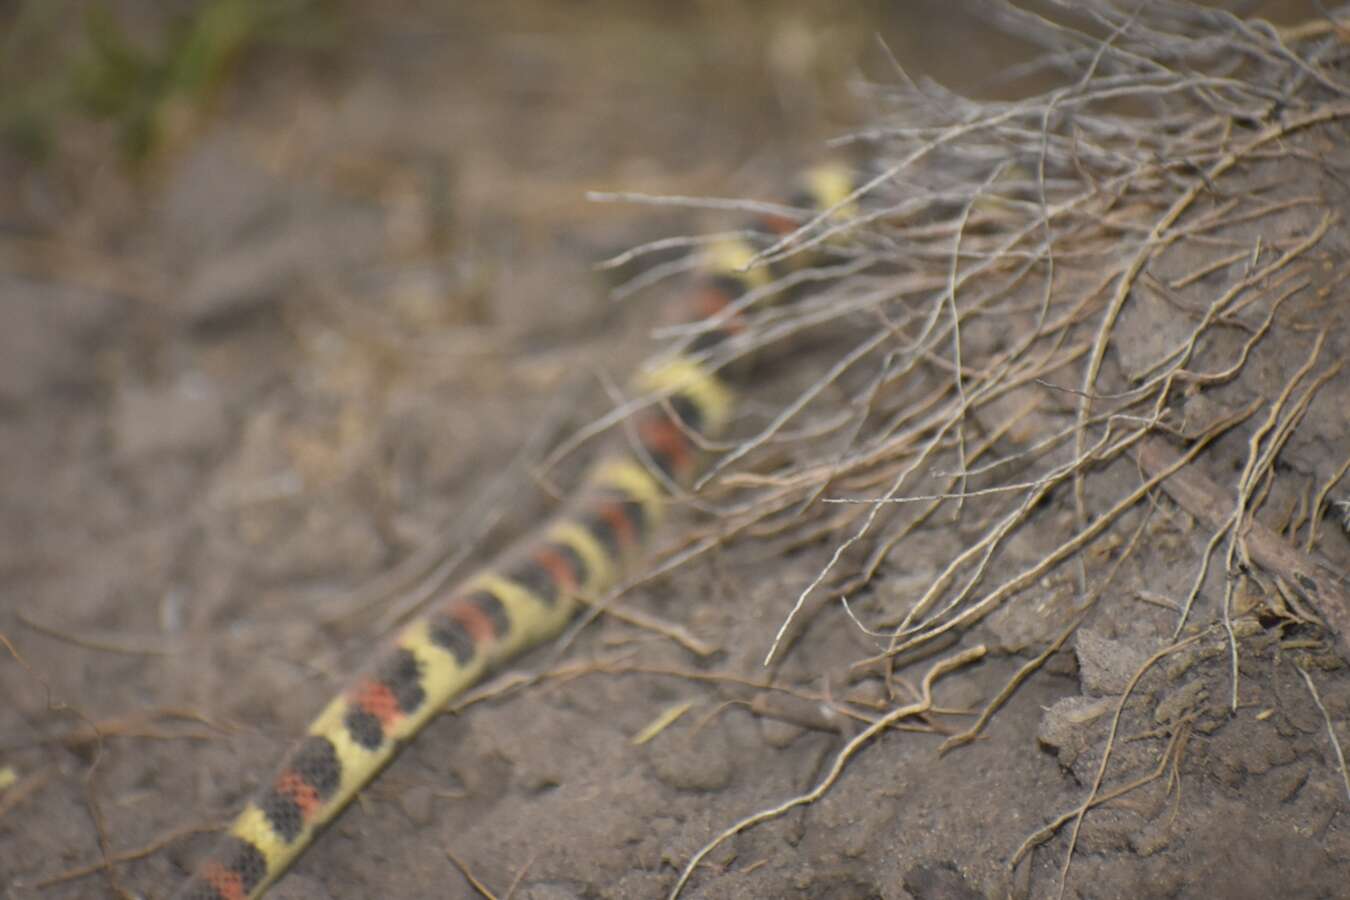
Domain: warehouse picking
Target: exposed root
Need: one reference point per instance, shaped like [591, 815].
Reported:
[1106, 754]
[853, 746]
[987, 369]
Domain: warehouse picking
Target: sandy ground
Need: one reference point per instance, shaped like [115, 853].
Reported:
[332, 333]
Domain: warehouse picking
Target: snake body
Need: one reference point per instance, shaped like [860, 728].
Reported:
[525, 598]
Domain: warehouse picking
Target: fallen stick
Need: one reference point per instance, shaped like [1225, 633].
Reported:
[1314, 579]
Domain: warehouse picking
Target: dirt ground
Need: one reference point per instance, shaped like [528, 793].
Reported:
[329, 335]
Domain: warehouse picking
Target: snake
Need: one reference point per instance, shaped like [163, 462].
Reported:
[534, 589]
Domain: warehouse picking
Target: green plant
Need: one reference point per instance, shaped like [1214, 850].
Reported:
[108, 75]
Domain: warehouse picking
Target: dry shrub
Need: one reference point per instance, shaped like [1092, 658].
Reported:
[1125, 295]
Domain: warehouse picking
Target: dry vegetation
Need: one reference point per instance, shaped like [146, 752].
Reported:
[1041, 295]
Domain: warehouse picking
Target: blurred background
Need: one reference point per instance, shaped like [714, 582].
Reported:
[470, 130]
[90, 79]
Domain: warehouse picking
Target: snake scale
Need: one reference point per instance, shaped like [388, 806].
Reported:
[528, 595]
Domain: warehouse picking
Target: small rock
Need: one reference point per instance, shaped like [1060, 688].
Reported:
[1106, 666]
[1154, 836]
[779, 734]
[1109, 831]
[1180, 701]
[1031, 623]
[1066, 727]
[701, 763]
